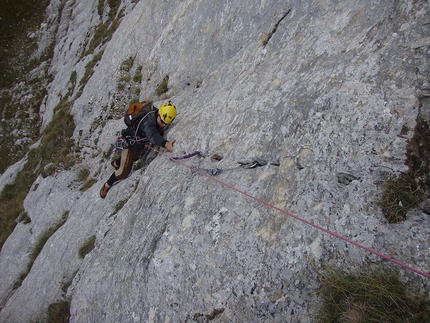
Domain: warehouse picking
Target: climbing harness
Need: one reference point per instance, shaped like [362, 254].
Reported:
[130, 134]
[119, 145]
[256, 164]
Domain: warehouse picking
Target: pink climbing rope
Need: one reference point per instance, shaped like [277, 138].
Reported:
[392, 260]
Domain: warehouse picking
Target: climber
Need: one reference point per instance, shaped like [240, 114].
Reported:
[149, 129]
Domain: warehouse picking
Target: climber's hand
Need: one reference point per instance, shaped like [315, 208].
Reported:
[169, 145]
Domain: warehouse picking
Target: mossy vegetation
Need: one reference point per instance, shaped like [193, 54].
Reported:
[370, 297]
[405, 192]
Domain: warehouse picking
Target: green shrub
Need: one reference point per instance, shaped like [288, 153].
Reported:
[125, 78]
[137, 77]
[127, 64]
[369, 297]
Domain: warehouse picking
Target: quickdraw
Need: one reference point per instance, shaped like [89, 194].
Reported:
[196, 153]
[217, 171]
[257, 163]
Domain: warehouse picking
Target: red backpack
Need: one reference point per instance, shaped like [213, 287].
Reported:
[136, 111]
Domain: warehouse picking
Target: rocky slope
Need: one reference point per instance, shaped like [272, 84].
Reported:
[327, 93]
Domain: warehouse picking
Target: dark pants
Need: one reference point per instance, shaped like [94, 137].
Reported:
[125, 163]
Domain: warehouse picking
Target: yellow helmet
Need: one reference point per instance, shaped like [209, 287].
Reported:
[167, 112]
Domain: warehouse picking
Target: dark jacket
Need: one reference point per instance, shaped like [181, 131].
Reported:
[148, 131]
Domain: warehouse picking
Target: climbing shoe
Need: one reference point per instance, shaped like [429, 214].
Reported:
[114, 165]
[104, 191]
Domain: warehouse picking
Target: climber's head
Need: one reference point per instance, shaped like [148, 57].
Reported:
[167, 112]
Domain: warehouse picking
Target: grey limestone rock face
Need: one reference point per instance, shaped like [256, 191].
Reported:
[319, 90]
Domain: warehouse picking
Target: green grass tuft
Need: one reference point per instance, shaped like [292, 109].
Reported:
[369, 297]
[119, 206]
[399, 196]
[83, 174]
[88, 184]
[24, 218]
[59, 312]
[127, 64]
[409, 190]
[86, 247]
[137, 77]
[163, 87]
